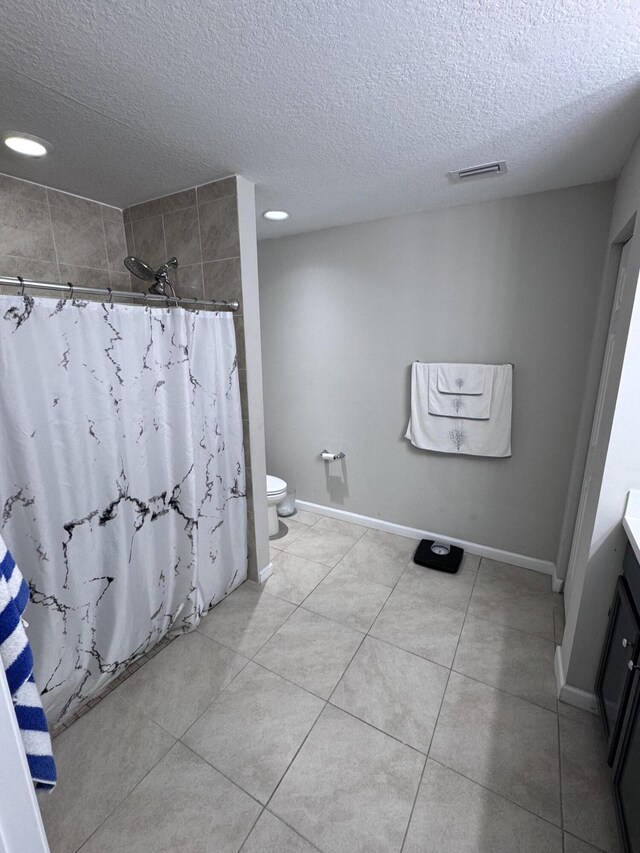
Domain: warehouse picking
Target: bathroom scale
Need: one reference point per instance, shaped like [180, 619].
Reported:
[439, 556]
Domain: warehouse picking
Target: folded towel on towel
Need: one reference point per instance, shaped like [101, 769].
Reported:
[461, 378]
[462, 405]
[17, 661]
[491, 437]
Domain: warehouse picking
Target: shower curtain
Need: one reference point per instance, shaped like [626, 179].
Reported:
[122, 482]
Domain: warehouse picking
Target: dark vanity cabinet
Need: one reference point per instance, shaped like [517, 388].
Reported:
[618, 693]
[626, 779]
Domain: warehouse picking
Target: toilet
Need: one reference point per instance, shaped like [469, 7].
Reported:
[276, 492]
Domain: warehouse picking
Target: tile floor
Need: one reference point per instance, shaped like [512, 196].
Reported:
[356, 702]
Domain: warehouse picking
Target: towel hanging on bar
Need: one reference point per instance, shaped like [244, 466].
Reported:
[491, 437]
[460, 404]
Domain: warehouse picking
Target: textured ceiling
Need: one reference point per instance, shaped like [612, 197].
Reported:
[339, 110]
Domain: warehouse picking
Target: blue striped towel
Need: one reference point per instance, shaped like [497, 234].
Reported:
[17, 660]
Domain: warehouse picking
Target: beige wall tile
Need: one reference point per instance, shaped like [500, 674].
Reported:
[186, 198]
[148, 237]
[188, 281]
[29, 268]
[111, 214]
[219, 229]
[182, 237]
[15, 188]
[223, 280]
[144, 210]
[116, 245]
[25, 229]
[217, 189]
[74, 203]
[79, 238]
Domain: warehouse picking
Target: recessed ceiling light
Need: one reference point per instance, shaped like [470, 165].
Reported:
[24, 143]
[276, 215]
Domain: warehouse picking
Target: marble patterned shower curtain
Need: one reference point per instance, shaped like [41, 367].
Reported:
[122, 481]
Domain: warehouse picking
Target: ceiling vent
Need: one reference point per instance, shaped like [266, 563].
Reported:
[483, 171]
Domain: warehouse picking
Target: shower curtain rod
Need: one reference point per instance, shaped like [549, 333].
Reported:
[186, 302]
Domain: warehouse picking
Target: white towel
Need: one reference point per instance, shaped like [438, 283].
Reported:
[461, 378]
[476, 406]
[490, 437]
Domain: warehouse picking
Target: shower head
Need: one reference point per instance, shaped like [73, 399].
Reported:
[159, 277]
[139, 268]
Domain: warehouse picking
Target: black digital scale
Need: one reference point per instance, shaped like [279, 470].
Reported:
[439, 556]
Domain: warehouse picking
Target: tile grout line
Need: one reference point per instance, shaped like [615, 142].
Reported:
[197, 206]
[502, 690]
[53, 236]
[328, 701]
[128, 794]
[496, 794]
[433, 733]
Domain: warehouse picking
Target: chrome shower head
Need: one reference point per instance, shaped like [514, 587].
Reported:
[159, 277]
[139, 268]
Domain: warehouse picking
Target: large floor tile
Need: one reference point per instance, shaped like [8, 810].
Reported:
[327, 541]
[394, 690]
[588, 718]
[246, 619]
[271, 835]
[426, 628]
[288, 531]
[502, 742]
[294, 577]
[451, 590]
[305, 517]
[378, 556]
[254, 728]
[454, 815]
[511, 660]
[348, 600]
[575, 845]
[310, 651]
[353, 530]
[587, 796]
[180, 682]
[515, 597]
[100, 759]
[183, 804]
[350, 788]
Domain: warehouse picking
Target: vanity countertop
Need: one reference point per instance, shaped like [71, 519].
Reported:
[631, 521]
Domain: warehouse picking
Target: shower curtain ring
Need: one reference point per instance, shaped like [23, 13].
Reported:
[21, 280]
[110, 296]
[70, 286]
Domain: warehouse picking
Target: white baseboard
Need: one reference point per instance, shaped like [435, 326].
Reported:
[572, 695]
[265, 573]
[524, 562]
[557, 583]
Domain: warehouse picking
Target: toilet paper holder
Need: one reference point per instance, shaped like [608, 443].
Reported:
[330, 457]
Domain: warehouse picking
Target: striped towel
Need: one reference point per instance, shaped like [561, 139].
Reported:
[17, 660]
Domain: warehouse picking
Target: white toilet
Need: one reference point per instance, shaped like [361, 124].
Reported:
[276, 492]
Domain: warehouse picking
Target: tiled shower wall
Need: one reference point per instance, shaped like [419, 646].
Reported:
[49, 235]
[199, 226]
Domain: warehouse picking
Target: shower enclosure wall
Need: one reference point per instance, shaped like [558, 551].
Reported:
[53, 236]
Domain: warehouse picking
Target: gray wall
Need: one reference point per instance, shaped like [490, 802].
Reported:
[346, 310]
